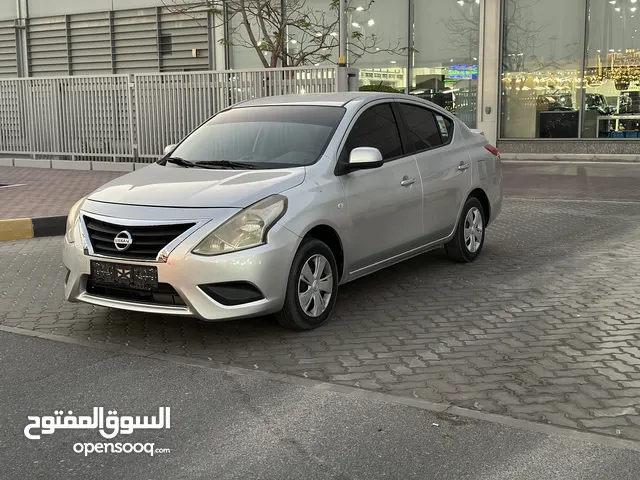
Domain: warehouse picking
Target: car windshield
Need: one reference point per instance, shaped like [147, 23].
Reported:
[262, 137]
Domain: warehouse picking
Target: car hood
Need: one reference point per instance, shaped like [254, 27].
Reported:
[174, 186]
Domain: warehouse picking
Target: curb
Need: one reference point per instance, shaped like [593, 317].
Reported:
[26, 228]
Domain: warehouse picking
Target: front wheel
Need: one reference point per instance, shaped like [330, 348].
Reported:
[468, 240]
[312, 287]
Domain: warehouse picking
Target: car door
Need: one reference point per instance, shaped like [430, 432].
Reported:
[384, 204]
[444, 165]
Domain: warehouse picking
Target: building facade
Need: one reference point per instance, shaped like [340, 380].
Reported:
[537, 76]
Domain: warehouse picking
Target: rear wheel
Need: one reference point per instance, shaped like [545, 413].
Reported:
[312, 287]
[468, 240]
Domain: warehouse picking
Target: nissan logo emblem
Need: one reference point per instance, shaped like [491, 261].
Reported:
[123, 241]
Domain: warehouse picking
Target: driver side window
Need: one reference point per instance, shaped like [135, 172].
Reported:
[377, 128]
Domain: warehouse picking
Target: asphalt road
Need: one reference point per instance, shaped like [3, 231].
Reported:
[225, 426]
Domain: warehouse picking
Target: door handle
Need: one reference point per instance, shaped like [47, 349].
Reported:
[407, 182]
[463, 166]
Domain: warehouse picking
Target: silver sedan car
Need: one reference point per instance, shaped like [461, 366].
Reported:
[270, 205]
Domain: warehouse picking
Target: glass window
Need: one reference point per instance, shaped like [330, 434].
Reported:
[543, 49]
[421, 123]
[378, 37]
[267, 137]
[612, 71]
[446, 41]
[243, 39]
[376, 128]
[379, 43]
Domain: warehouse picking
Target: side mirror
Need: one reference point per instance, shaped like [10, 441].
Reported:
[168, 149]
[364, 158]
[361, 158]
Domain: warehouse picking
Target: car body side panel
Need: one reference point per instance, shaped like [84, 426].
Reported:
[445, 186]
[317, 202]
[488, 172]
[385, 217]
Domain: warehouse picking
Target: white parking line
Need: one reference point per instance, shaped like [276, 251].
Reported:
[16, 185]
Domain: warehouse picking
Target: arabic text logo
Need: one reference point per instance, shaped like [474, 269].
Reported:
[109, 426]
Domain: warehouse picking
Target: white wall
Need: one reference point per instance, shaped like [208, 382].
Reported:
[44, 8]
[8, 9]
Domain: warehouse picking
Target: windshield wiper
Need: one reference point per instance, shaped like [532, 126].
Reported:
[187, 164]
[228, 164]
[181, 161]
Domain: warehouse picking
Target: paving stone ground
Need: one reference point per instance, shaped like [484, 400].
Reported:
[44, 191]
[545, 326]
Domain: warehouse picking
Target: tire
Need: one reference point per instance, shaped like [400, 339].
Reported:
[294, 315]
[460, 249]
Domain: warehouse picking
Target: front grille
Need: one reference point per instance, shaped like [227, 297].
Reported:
[165, 294]
[148, 240]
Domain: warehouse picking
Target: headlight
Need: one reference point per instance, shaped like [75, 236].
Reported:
[246, 229]
[72, 218]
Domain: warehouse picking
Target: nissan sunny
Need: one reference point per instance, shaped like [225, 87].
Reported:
[272, 204]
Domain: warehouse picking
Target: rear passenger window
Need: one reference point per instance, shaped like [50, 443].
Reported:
[376, 128]
[424, 131]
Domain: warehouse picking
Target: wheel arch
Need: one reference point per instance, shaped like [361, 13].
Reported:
[482, 197]
[328, 235]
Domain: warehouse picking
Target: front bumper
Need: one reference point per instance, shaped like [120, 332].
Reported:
[266, 267]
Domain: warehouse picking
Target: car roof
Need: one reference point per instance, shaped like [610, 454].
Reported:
[338, 99]
[319, 99]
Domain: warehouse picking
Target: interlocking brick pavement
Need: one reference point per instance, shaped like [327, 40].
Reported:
[545, 326]
[46, 192]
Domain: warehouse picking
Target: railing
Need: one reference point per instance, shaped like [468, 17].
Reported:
[131, 118]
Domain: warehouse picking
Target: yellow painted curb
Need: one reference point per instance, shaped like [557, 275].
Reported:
[17, 229]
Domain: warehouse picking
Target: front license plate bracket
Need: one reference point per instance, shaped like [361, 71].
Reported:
[138, 277]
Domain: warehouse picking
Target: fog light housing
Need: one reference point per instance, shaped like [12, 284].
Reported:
[233, 293]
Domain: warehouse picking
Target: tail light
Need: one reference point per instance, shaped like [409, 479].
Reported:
[493, 150]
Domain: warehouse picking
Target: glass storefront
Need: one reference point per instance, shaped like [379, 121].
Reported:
[434, 57]
[570, 69]
[445, 60]
[381, 47]
[612, 70]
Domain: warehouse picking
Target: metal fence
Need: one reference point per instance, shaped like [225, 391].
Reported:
[130, 118]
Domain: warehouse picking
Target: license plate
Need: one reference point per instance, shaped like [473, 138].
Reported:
[132, 276]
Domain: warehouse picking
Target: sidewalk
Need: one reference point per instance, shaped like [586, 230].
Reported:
[46, 192]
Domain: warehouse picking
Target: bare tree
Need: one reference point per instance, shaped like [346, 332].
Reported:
[287, 32]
